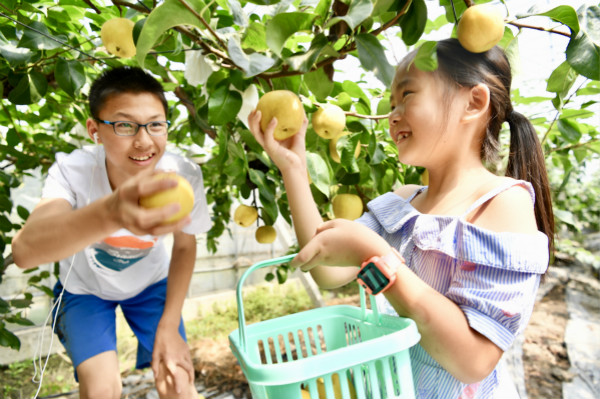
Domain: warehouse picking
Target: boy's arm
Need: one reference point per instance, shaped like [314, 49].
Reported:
[54, 230]
[169, 346]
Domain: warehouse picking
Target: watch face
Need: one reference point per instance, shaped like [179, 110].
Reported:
[373, 278]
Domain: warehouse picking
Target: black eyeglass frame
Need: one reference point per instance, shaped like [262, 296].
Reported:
[139, 125]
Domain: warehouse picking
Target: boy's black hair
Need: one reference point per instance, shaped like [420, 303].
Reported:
[123, 79]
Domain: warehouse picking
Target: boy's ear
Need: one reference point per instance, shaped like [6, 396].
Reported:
[92, 128]
[478, 102]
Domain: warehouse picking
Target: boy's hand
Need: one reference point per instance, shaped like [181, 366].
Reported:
[124, 206]
[290, 151]
[171, 355]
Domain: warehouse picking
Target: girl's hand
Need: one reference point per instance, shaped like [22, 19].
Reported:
[291, 151]
[340, 242]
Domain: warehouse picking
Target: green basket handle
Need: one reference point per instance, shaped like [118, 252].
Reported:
[276, 261]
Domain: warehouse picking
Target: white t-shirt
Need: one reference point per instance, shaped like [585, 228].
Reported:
[123, 264]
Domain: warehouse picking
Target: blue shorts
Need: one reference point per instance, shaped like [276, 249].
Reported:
[86, 324]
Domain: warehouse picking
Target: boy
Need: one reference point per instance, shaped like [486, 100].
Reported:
[111, 250]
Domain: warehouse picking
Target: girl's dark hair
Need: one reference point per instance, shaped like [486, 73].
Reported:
[526, 158]
[123, 80]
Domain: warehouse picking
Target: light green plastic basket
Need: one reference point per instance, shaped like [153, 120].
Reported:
[326, 353]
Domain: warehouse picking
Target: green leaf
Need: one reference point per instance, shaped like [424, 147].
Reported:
[426, 57]
[269, 209]
[223, 105]
[565, 15]
[372, 57]
[354, 90]
[569, 130]
[264, 2]
[31, 88]
[319, 84]
[37, 41]
[413, 22]
[381, 6]
[255, 37]
[561, 80]
[319, 172]
[8, 339]
[258, 177]
[167, 15]
[284, 25]
[252, 64]
[565, 216]
[583, 50]
[20, 303]
[18, 319]
[15, 55]
[70, 76]
[304, 62]
[358, 11]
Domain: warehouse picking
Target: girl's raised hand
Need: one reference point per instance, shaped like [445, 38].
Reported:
[286, 152]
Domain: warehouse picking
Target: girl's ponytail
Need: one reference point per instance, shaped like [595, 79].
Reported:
[526, 162]
[526, 158]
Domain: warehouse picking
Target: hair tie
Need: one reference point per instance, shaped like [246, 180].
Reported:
[511, 115]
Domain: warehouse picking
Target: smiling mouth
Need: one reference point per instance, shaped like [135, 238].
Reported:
[401, 136]
[142, 158]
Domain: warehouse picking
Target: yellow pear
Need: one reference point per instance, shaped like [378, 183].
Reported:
[333, 152]
[182, 194]
[265, 234]
[337, 390]
[347, 206]
[245, 215]
[480, 28]
[305, 394]
[117, 37]
[329, 121]
[286, 107]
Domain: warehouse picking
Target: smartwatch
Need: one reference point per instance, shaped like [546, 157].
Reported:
[378, 273]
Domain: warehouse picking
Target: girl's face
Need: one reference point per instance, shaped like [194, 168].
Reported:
[421, 120]
[126, 156]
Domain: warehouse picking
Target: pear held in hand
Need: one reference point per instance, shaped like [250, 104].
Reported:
[286, 107]
[182, 194]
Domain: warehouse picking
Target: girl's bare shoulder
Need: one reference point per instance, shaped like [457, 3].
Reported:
[512, 210]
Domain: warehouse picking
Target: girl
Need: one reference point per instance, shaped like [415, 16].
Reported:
[463, 256]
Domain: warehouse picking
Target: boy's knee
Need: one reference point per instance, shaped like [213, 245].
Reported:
[99, 377]
[100, 389]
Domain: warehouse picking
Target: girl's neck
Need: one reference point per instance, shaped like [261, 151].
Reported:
[452, 194]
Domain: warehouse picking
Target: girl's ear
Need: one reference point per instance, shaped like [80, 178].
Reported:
[478, 102]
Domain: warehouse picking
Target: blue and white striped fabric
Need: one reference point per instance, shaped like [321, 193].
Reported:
[492, 276]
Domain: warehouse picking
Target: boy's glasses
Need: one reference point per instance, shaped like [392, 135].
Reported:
[126, 128]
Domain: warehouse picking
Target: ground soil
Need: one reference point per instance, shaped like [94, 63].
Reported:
[545, 359]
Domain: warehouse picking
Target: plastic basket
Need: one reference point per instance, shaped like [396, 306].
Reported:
[332, 352]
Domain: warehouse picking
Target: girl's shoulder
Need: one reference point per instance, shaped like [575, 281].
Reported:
[510, 208]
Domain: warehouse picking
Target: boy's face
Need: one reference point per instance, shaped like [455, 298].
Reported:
[126, 156]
